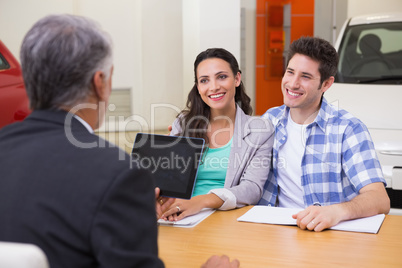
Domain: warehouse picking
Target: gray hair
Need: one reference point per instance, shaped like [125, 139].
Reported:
[59, 57]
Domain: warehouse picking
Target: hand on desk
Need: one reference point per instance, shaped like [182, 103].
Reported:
[162, 203]
[221, 262]
[372, 200]
[318, 218]
[183, 208]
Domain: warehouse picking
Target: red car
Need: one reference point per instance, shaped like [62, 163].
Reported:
[14, 104]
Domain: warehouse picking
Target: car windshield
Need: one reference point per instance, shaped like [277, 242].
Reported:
[371, 53]
[3, 63]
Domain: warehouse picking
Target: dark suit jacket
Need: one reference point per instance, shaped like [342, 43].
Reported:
[83, 206]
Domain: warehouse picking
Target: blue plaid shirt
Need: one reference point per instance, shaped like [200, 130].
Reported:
[339, 157]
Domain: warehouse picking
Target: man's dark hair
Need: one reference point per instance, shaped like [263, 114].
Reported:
[319, 50]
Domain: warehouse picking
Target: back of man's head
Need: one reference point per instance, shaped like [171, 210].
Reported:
[59, 57]
[319, 50]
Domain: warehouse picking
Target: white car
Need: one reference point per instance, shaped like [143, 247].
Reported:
[369, 85]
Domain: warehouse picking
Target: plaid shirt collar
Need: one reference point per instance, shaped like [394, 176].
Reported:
[321, 120]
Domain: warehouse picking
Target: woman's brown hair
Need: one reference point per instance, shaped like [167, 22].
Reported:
[194, 119]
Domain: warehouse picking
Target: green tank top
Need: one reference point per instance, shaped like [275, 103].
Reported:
[212, 170]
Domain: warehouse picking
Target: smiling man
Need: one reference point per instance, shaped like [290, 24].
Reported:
[323, 157]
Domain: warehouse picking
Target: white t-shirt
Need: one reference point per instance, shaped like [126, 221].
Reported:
[289, 166]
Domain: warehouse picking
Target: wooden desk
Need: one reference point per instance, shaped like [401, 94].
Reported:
[264, 245]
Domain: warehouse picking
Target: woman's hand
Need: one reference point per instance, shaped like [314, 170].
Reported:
[183, 208]
[162, 203]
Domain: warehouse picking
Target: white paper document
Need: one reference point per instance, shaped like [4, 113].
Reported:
[189, 221]
[283, 216]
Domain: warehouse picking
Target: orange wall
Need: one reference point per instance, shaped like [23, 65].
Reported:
[269, 46]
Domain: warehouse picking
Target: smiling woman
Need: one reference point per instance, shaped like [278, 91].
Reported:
[236, 163]
[216, 86]
[216, 73]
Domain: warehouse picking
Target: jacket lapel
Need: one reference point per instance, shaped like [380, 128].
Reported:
[239, 148]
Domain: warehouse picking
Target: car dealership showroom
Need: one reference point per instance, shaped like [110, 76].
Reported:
[151, 89]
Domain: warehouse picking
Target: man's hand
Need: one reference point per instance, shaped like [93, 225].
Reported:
[162, 203]
[221, 262]
[318, 218]
[372, 200]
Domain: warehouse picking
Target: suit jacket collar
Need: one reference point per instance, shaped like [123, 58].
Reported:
[57, 117]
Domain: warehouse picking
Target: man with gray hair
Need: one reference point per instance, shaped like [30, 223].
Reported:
[61, 186]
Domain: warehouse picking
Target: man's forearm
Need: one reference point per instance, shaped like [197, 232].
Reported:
[372, 200]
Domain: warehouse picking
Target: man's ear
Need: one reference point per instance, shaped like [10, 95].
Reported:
[99, 85]
[327, 83]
